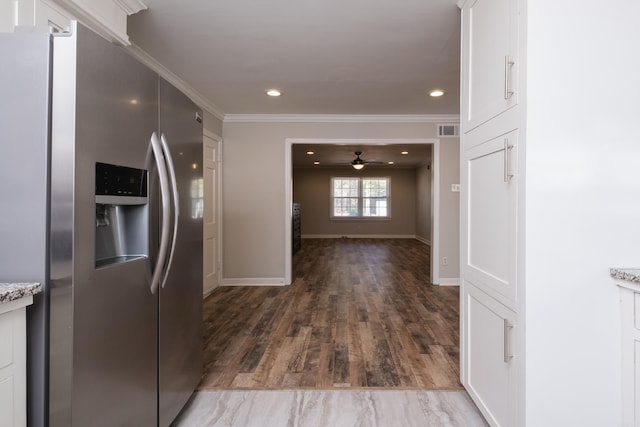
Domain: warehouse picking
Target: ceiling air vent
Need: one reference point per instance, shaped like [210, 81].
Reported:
[448, 131]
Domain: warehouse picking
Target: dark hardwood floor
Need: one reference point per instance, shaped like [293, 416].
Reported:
[360, 313]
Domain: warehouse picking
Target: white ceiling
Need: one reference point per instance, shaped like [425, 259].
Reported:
[327, 56]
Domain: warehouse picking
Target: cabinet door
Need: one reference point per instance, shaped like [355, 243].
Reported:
[489, 60]
[489, 216]
[488, 364]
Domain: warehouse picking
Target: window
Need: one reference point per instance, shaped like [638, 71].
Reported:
[197, 198]
[359, 197]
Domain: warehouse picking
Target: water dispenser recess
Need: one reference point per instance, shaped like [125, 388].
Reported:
[122, 225]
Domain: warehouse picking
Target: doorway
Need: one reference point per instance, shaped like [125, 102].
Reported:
[435, 194]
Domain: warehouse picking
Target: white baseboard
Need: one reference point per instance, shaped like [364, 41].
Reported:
[254, 281]
[359, 236]
[448, 281]
[423, 240]
[208, 292]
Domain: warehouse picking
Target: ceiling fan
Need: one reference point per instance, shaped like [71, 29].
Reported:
[359, 163]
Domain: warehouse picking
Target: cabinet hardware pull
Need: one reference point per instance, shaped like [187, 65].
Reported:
[507, 341]
[508, 64]
[507, 160]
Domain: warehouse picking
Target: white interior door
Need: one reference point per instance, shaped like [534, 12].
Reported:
[211, 241]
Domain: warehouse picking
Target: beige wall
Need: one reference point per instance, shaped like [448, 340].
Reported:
[449, 208]
[254, 189]
[423, 202]
[312, 189]
[212, 123]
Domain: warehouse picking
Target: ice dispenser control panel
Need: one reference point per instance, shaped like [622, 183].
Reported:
[121, 214]
[112, 180]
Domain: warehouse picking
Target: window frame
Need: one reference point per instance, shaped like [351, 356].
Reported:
[360, 199]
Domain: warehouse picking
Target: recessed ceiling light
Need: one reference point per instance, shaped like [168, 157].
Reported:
[273, 92]
[436, 93]
[316, 163]
[404, 152]
[310, 152]
[390, 163]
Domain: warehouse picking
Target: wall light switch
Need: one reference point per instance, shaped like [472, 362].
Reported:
[455, 188]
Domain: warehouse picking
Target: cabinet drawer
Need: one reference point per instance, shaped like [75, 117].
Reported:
[490, 359]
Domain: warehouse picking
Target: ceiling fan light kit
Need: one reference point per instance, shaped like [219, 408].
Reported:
[357, 163]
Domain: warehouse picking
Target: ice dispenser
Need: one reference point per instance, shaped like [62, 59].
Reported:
[121, 214]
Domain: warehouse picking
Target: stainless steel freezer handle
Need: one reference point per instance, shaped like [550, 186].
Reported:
[176, 203]
[166, 211]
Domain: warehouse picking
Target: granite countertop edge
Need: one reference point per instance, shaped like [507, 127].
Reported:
[627, 274]
[14, 291]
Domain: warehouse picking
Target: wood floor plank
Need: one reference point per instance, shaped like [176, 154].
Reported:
[360, 313]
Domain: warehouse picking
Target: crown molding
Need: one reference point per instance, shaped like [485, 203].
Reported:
[106, 17]
[168, 75]
[343, 118]
[131, 6]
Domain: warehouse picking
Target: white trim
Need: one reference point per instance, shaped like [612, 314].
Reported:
[219, 247]
[254, 281]
[131, 6]
[435, 214]
[107, 18]
[15, 304]
[169, 76]
[343, 118]
[359, 236]
[435, 204]
[288, 212]
[423, 240]
[448, 281]
[212, 135]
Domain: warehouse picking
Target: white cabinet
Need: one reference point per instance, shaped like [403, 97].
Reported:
[490, 60]
[13, 362]
[489, 364]
[630, 303]
[491, 222]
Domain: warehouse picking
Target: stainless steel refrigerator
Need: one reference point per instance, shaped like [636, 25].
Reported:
[101, 190]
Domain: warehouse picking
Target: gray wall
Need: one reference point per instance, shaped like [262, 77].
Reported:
[254, 189]
[423, 202]
[449, 208]
[312, 189]
[212, 123]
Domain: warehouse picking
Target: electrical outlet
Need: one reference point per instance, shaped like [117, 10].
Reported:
[445, 260]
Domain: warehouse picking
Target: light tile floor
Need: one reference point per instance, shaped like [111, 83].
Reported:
[342, 408]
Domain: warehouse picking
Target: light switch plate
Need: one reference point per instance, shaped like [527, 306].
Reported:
[455, 188]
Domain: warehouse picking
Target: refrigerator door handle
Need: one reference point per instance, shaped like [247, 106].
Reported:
[176, 203]
[166, 212]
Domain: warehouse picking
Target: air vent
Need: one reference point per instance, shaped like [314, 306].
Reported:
[448, 131]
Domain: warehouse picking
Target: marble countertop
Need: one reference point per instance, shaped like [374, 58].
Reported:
[628, 274]
[13, 291]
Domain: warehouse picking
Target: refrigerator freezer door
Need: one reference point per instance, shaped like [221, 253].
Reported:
[106, 103]
[24, 170]
[180, 317]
